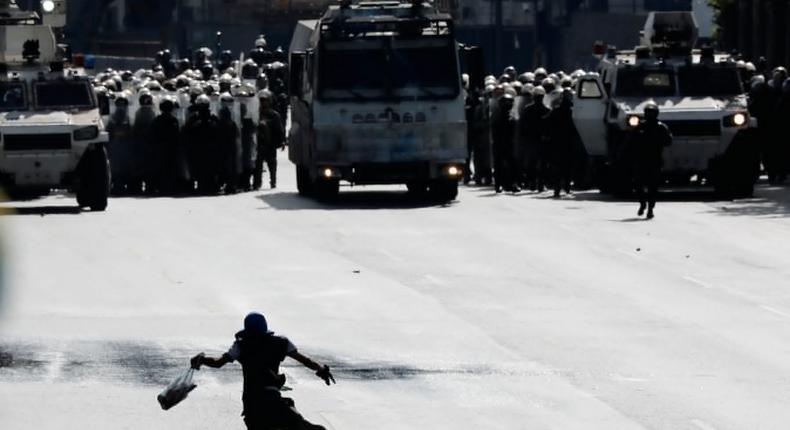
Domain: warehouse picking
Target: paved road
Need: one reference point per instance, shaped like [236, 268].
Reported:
[494, 312]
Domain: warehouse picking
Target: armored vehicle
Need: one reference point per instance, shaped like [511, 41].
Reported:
[51, 132]
[701, 100]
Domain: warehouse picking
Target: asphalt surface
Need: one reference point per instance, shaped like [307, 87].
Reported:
[493, 312]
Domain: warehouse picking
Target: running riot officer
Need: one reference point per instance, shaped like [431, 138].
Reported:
[648, 141]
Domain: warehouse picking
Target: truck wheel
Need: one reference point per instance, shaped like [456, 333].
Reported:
[303, 181]
[444, 191]
[94, 185]
[326, 190]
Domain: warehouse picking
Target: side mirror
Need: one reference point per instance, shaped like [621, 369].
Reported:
[296, 78]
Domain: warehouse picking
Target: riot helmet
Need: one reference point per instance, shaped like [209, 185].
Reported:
[145, 99]
[651, 111]
[166, 105]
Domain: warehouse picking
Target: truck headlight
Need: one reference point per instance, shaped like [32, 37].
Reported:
[738, 119]
[633, 121]
[47, 6]
[86, 133]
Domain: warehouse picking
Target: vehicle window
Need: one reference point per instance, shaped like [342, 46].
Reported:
[12, 96]
[400, 68]
[63, 94]
[709, 81]
[589, 90]
[641, 83]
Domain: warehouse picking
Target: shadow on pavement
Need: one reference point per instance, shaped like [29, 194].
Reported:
[350, 200]
[768, 202]
[664, 195]
[40, 210]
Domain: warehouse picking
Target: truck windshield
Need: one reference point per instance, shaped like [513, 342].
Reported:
[12, 96]
[389, 69]
[645, 83]
[709, 81]
[63, 95]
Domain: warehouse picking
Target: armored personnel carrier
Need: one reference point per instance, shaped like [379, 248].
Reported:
[700, 97]
[376, 99]
[51, 132]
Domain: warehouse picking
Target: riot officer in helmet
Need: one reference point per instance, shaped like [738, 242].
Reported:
[228, 143]
[164, 149]
[564, 141]
[503, 130]
[201, 133]
[270, 136]
[141, 131]
[119, 148]
[647, 143]
[531, 133]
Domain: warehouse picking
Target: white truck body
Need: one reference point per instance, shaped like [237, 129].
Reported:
[376, 105]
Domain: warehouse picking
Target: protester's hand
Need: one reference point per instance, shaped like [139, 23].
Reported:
[326, 375]
[197, 361]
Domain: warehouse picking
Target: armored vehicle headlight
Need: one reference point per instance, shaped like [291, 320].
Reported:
[633, 121]
[86, 133]
[738, 119]
[48, 6]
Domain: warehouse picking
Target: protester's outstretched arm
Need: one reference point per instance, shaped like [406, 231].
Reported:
[322, 371]
[201, 359]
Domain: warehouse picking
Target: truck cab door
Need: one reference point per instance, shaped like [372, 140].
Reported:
[589, 113]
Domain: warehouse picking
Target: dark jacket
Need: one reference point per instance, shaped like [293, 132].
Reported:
[271, 134]
[647, 144]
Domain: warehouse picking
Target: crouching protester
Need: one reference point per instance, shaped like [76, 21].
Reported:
[260, 352]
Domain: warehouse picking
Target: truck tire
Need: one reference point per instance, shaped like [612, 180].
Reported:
[303, 181]
[326, 190]
[94, 187]
[444, 190]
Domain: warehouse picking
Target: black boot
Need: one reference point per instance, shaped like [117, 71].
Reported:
[642, 207]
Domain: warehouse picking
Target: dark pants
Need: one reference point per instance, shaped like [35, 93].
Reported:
[562, 176]
[274, 412]
[504, 164]
[270, 157]
[646, 181]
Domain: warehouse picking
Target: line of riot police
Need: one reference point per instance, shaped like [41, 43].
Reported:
[195, 126]
[521, 132]
[769, 102]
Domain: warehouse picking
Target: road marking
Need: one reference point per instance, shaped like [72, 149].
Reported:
[775, 311]
[435, 280]
[702, 425]
[702, 284]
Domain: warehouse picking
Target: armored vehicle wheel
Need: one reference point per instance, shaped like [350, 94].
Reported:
[733, 176]
[303, 184]
[444, 190]
[417, 188]
[94, 187]
[326, 189]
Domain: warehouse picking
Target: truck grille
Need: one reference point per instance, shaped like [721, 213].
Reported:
[694, 127]
[36, 142]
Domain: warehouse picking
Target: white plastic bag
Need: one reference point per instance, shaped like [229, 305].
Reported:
[177, 390]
